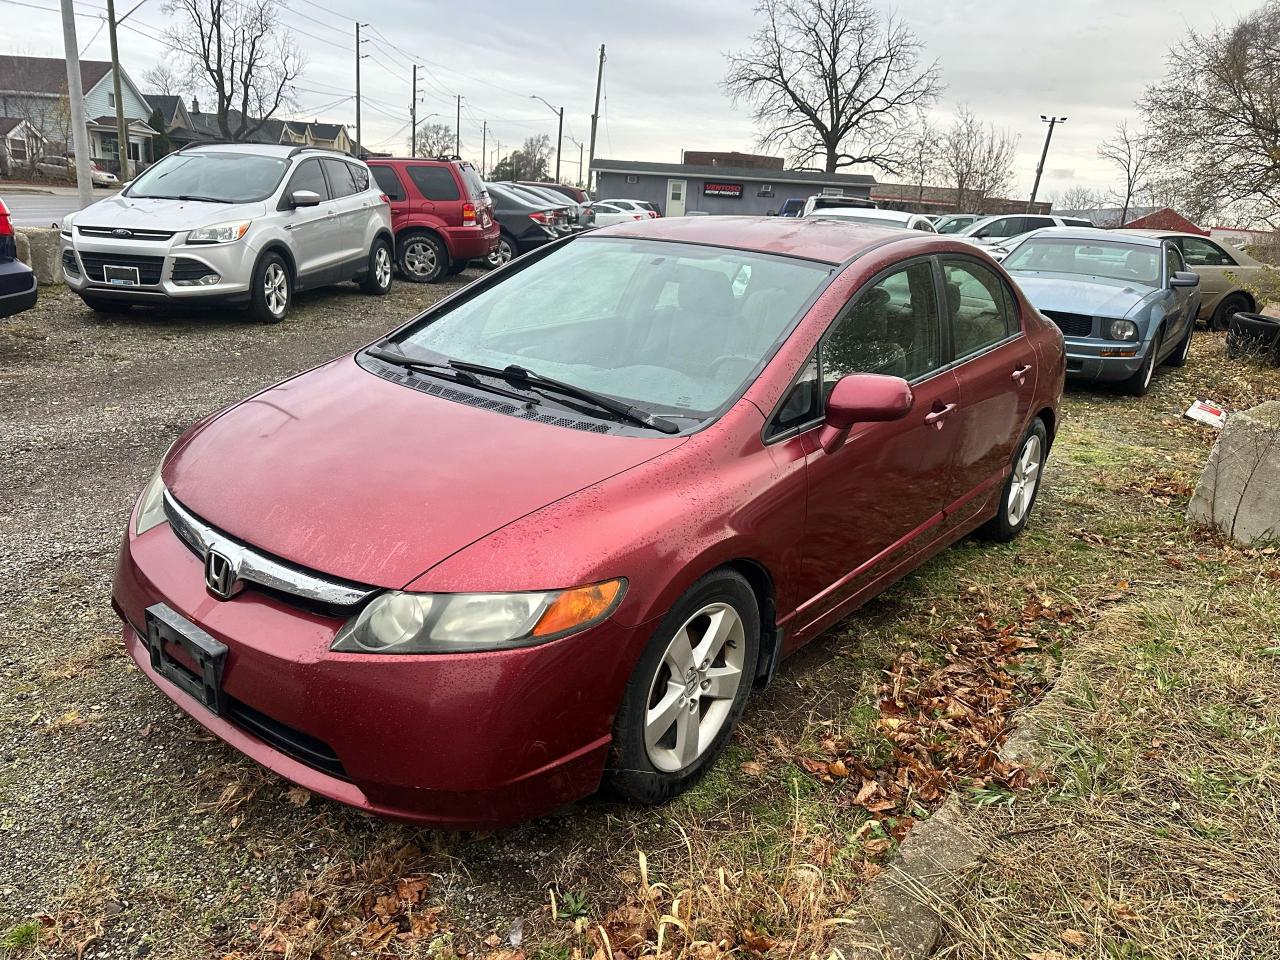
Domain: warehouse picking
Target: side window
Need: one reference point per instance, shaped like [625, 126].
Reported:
[339, 176]
[1202, 253]
[309, 177]
[891, 329]
[388, 182]
[434, 183]
[801, 405]
[360, 175]
[977, 306]
[1035, 223]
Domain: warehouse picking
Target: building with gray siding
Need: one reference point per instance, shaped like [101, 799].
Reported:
[678, 189]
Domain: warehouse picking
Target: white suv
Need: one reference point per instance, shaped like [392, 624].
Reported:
[246, 224]
[998, 230]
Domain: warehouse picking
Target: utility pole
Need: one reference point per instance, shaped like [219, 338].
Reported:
[484, 144]
[457, 129]
[1052, 122]
[559, 143]
[359, 57]
[578, 144]
[413, 116]
[595, 116]
[75, 96]
[122, 130]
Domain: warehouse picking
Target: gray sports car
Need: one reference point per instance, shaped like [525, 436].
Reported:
[1125, 303]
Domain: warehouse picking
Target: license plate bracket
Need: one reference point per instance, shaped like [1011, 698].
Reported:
[204, 683]
[120, 276]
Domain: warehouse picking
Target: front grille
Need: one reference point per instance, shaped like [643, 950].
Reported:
[134, 234]
[300, 746]
[1071, 324]
[184, 268]
[149, 268]
[69, 263]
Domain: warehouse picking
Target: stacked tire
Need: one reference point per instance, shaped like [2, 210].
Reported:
[1253, 335]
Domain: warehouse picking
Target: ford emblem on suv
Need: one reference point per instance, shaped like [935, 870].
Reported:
[121, 233]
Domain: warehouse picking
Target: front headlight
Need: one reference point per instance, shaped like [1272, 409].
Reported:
[151, 504]
[219, 233]
[66, 225]
[397, 622]
[1121, 330]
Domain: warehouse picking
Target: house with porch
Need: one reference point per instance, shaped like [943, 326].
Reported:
[21, 145]
[34, 89]
[186, 125]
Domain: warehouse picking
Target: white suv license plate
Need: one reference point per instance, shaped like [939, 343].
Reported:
[120, 276]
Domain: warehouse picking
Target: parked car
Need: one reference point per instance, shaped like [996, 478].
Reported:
[607, 214]
[576, 194]
[525, 224]
[580, 215]
[635, 545]
[243, 224]
[638, 206]
[875, 218]
[1223, 270]
[998, 230]
[64, 168]
[18, 289]
[568, 216]
[653, 208]
[792, 207]
[1125, 303]
[440, 212]
[824, 202]
[955, 222]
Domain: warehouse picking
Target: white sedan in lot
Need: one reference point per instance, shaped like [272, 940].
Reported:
[874, 218]
[609, 212]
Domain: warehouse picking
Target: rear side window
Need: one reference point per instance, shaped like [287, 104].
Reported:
[977, 306]
[360, 175]
[890, 329]
[338, 173]
[1035, 223]
[309, 177]
[434, 183]
[475, 186]
[388, 182]
[1202, 253]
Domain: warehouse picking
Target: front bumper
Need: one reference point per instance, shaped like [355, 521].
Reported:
[462, 741]
[161, 265]
[1086, 360]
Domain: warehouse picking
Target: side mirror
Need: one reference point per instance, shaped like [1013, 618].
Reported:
[304, 198]
[1184, 278]
[863, 398]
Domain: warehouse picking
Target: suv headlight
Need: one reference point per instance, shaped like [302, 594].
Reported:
[1121, 330]
[219, 232]
[151, 504]
[66, 225]
[398, 622]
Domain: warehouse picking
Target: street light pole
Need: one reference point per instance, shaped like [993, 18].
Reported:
[1052, 122]
[578, 144]
[559, 112]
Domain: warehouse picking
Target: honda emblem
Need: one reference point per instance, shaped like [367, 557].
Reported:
[220, 575]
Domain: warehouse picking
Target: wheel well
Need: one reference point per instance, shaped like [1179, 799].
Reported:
[1050, 423]
[286, 254]
[386, 235]
[770, 639]
[1249, 298]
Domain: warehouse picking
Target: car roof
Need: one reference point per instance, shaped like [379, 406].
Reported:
[1160, 234]
[1096, 234]
[871, 213]
[829, 241]
[284, 150]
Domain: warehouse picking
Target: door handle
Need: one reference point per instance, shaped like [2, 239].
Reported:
[1020, 374]
[935, 419]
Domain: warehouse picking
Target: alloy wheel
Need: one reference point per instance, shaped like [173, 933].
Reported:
[382, 267]
[275, 287]
[1026, 474]
[693, 691]
[503, 254]
[420, 258]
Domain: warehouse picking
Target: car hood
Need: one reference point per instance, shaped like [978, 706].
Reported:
[1094, 296]
[147, 213]
[342, 472]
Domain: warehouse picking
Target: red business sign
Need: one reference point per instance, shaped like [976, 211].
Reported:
[722, 189]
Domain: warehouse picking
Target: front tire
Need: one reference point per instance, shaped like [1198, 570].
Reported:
[1138, 384]
[422, 258]
[377, 278]
[1018, 495]
[687, 691]
[272, 290]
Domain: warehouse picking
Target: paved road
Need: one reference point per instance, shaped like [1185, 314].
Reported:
[42, 210]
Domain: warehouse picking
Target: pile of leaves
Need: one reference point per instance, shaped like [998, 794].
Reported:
[946, 722]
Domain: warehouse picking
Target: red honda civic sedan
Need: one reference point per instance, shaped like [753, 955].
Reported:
[554, 530]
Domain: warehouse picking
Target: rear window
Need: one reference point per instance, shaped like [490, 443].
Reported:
[388, 182]
[434, 183]
[475, 186]
[360, 175]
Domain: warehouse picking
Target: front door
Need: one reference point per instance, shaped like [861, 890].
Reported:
[1184, 302]
[311, 229]
[675, 198]
[878, 500]
[996, 367]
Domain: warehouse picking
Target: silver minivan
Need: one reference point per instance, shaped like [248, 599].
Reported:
[241, 224]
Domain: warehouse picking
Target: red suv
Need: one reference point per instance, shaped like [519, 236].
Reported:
[440, 212]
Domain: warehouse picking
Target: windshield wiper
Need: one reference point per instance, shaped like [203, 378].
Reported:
[515, 374]
[448, 373]
[182, 196]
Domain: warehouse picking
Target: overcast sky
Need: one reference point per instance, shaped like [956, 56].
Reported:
[1009, 60]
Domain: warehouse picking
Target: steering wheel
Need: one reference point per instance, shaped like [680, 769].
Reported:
[747, 364]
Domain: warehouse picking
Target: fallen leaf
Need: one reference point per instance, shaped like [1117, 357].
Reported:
[1076, 938]
[298, 796]
[752, 768]
[838, 769]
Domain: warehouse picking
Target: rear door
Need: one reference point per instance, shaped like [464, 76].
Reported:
[312, 230]
[1213, 264]
[995, 364]
[349, 200]
[389, 183]
[438, 190]
[878, 500]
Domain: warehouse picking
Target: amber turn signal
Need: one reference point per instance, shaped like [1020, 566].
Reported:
[577, 607]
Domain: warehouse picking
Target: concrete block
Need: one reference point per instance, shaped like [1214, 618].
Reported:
[38, 249]
[1239, 492]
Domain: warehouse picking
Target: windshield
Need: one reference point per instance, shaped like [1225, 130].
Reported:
[209, 175]
[1087, 258]
[673, 328]
[953, 224]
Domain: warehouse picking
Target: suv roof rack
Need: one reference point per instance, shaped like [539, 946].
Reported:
[303, 147]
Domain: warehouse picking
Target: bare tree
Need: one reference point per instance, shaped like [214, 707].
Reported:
[1213, 120]
[236, 49]
[1131, 152]
[833, 80]
[977, 159]
[1078, 198]
[922, 158]
[163, 79]
[435, 139]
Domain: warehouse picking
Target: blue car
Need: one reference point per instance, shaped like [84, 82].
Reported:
[1125, 303]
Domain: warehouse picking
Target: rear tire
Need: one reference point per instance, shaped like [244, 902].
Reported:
[504, 254]
[105, 305]
[1018, 495]
[377, 278]
[1231, 304]
[272, 292]
[422, 258]
[687, 691]
[1138, 384]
